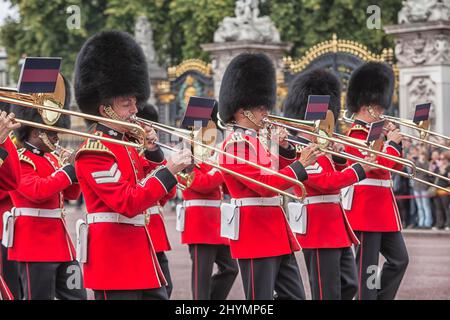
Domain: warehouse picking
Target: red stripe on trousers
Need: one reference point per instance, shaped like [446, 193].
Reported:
[28, 282]
[253, 279]
[360, 263]
[318, 274]
[195, 273]
[1, 262]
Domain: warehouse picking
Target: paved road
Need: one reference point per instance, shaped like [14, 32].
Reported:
[427, 277]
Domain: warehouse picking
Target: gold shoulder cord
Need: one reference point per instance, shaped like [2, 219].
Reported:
[24, 158]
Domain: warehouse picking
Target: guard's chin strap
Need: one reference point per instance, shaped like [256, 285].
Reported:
[372, 113]
[250, 116]
[44, 137]
[133, 133]
[112, 114]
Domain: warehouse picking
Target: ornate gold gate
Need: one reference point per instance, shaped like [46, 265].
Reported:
[341, 57]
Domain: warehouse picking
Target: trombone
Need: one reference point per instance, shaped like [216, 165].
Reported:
[325, 129]
[179, 133]
[428, 172]
[51, 106]
[422, 127]
[309, 127]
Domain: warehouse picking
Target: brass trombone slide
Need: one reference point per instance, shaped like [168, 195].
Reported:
[239, 175]
[77, 133]
[359, 145]
[412, 125]
[428, 172]
[26, 100]
[408, 124]
[174, 131]
[282, 122]
[431, 173]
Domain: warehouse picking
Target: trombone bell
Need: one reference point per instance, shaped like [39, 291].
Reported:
[323, 128]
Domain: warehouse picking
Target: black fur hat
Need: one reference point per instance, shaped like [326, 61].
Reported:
[315, 82]
[370, 84]
[110, 64]
[249, 81]
[148, 111]
[33, 115]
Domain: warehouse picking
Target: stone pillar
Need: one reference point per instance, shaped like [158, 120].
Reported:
[223, 53]
[143, 34]
[423, 57]
[246, 32]
[4, 75]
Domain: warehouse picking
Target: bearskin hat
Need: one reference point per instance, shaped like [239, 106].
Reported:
[370, 84]
[110, 64]
[33, 115]
[315, 82]
[249, 81]
[148, 111]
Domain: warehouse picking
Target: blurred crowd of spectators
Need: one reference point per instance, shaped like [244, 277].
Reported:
[422, 206]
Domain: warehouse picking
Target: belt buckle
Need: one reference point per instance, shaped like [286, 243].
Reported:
[63, 213]
[146, 217]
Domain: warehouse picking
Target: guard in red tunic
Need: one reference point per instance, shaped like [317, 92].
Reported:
[9, 161]
[118, 182]
[326, 237]
[9, 180]
[156, 226]
[373, 213]
[41, 242]
[201, 232]
[263, 241]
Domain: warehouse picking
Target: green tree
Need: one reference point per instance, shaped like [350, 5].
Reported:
[181, 26]
[42, 30]
[307, 22]
[122, 16]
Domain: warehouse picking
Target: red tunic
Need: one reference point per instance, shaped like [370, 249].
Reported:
[9, 166]
[202, 224]
[374, 208]
[156, 226]
[5, 205]
[44, 185]
[120, 256]
[327, 224]
[264, 231]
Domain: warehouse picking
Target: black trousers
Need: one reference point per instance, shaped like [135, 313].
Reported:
[273, 277]
[332, 273]
[149, 294]
[442, 210]
[10, 272]
[404, 209]
[204, 284]
[385, 285]
[50, 280]
[164, 264]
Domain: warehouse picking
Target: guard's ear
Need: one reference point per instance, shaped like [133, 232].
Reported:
[239, 114]
[101, 110]
[34, 133]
